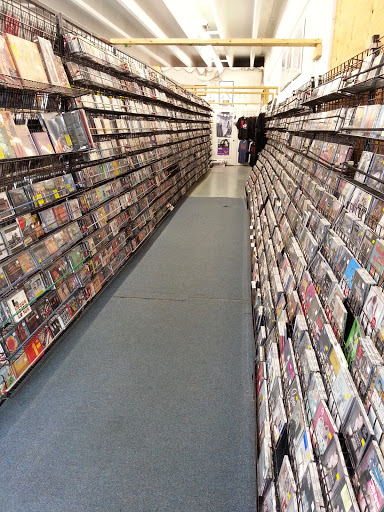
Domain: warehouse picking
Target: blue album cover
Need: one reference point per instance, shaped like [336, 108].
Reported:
[350, 270]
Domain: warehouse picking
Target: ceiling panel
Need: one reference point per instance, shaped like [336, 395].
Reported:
[108, 18]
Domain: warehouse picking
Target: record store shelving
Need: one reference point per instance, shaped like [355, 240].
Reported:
[316, 204]
[95, 149]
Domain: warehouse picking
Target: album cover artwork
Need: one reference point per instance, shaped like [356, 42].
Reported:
[339, 317]
[6, 209]
[343, 394]
[10, 342]
[346, 281]
[26, 57]
[8, 73]
[296, 423]
[21, 332]
[7, 120]
[264, 467]
[49, 60]
[18, 306]
[33, 321]
[20, 364]
[367, 245]
[315, 393]
[370, 475]
[13, 237]
[269, 502]
[53, 123]
[357, 431]
[311, 496]
[48, 220]
[30, 226]
[364, 163]
[373, 310]
[376, 173]
[42, 143]
[78, 130]
[20, 199]
[55, 326]
[62, 75]
[335, 472]
[323, 428]
[45, 336]
[365, 363]
[287, 487]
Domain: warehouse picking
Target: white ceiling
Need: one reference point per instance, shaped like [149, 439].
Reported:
[178, 18]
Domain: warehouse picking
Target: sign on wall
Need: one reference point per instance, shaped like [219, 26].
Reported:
[223, 147]
[224, 121]
[292, 59]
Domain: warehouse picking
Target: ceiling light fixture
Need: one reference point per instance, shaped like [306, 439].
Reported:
[191, 24]
[141, 16]
[83, 5]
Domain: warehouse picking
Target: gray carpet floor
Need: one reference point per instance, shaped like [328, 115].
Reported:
[146, 404]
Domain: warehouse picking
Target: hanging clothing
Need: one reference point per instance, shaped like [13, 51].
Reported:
[242, 126]
[243, 152]
[260, 138]
[252, 154]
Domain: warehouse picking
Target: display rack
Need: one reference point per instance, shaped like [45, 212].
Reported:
[316, 205]
[88, 170]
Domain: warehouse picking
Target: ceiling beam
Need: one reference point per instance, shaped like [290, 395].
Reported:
[178, 41]
[255, 29]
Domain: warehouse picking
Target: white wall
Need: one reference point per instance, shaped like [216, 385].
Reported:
[319, 22]
[242, 77]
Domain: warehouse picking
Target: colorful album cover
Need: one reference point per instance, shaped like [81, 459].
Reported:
[11, 342]
[34, 349]
[20, 364]
[370, 474]
[323, 428]
[26, 262]
[346, 282]
[30, 226]
[376, 261]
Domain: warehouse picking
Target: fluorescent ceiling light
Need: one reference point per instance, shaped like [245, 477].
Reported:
[190, 22]
[148, 23]
[117, 29]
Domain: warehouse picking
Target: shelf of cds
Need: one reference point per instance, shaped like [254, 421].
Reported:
[316, 205]
[95, 149]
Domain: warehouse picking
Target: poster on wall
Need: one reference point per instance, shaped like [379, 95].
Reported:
[224, 121]
[292, 59]
[223, 147]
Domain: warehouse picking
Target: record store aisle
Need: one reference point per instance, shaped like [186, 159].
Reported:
[146, 404]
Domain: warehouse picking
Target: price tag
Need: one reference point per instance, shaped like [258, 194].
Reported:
[57, 195]
[68, 139]
[15, 51]
[40, 200]
[1, 153]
